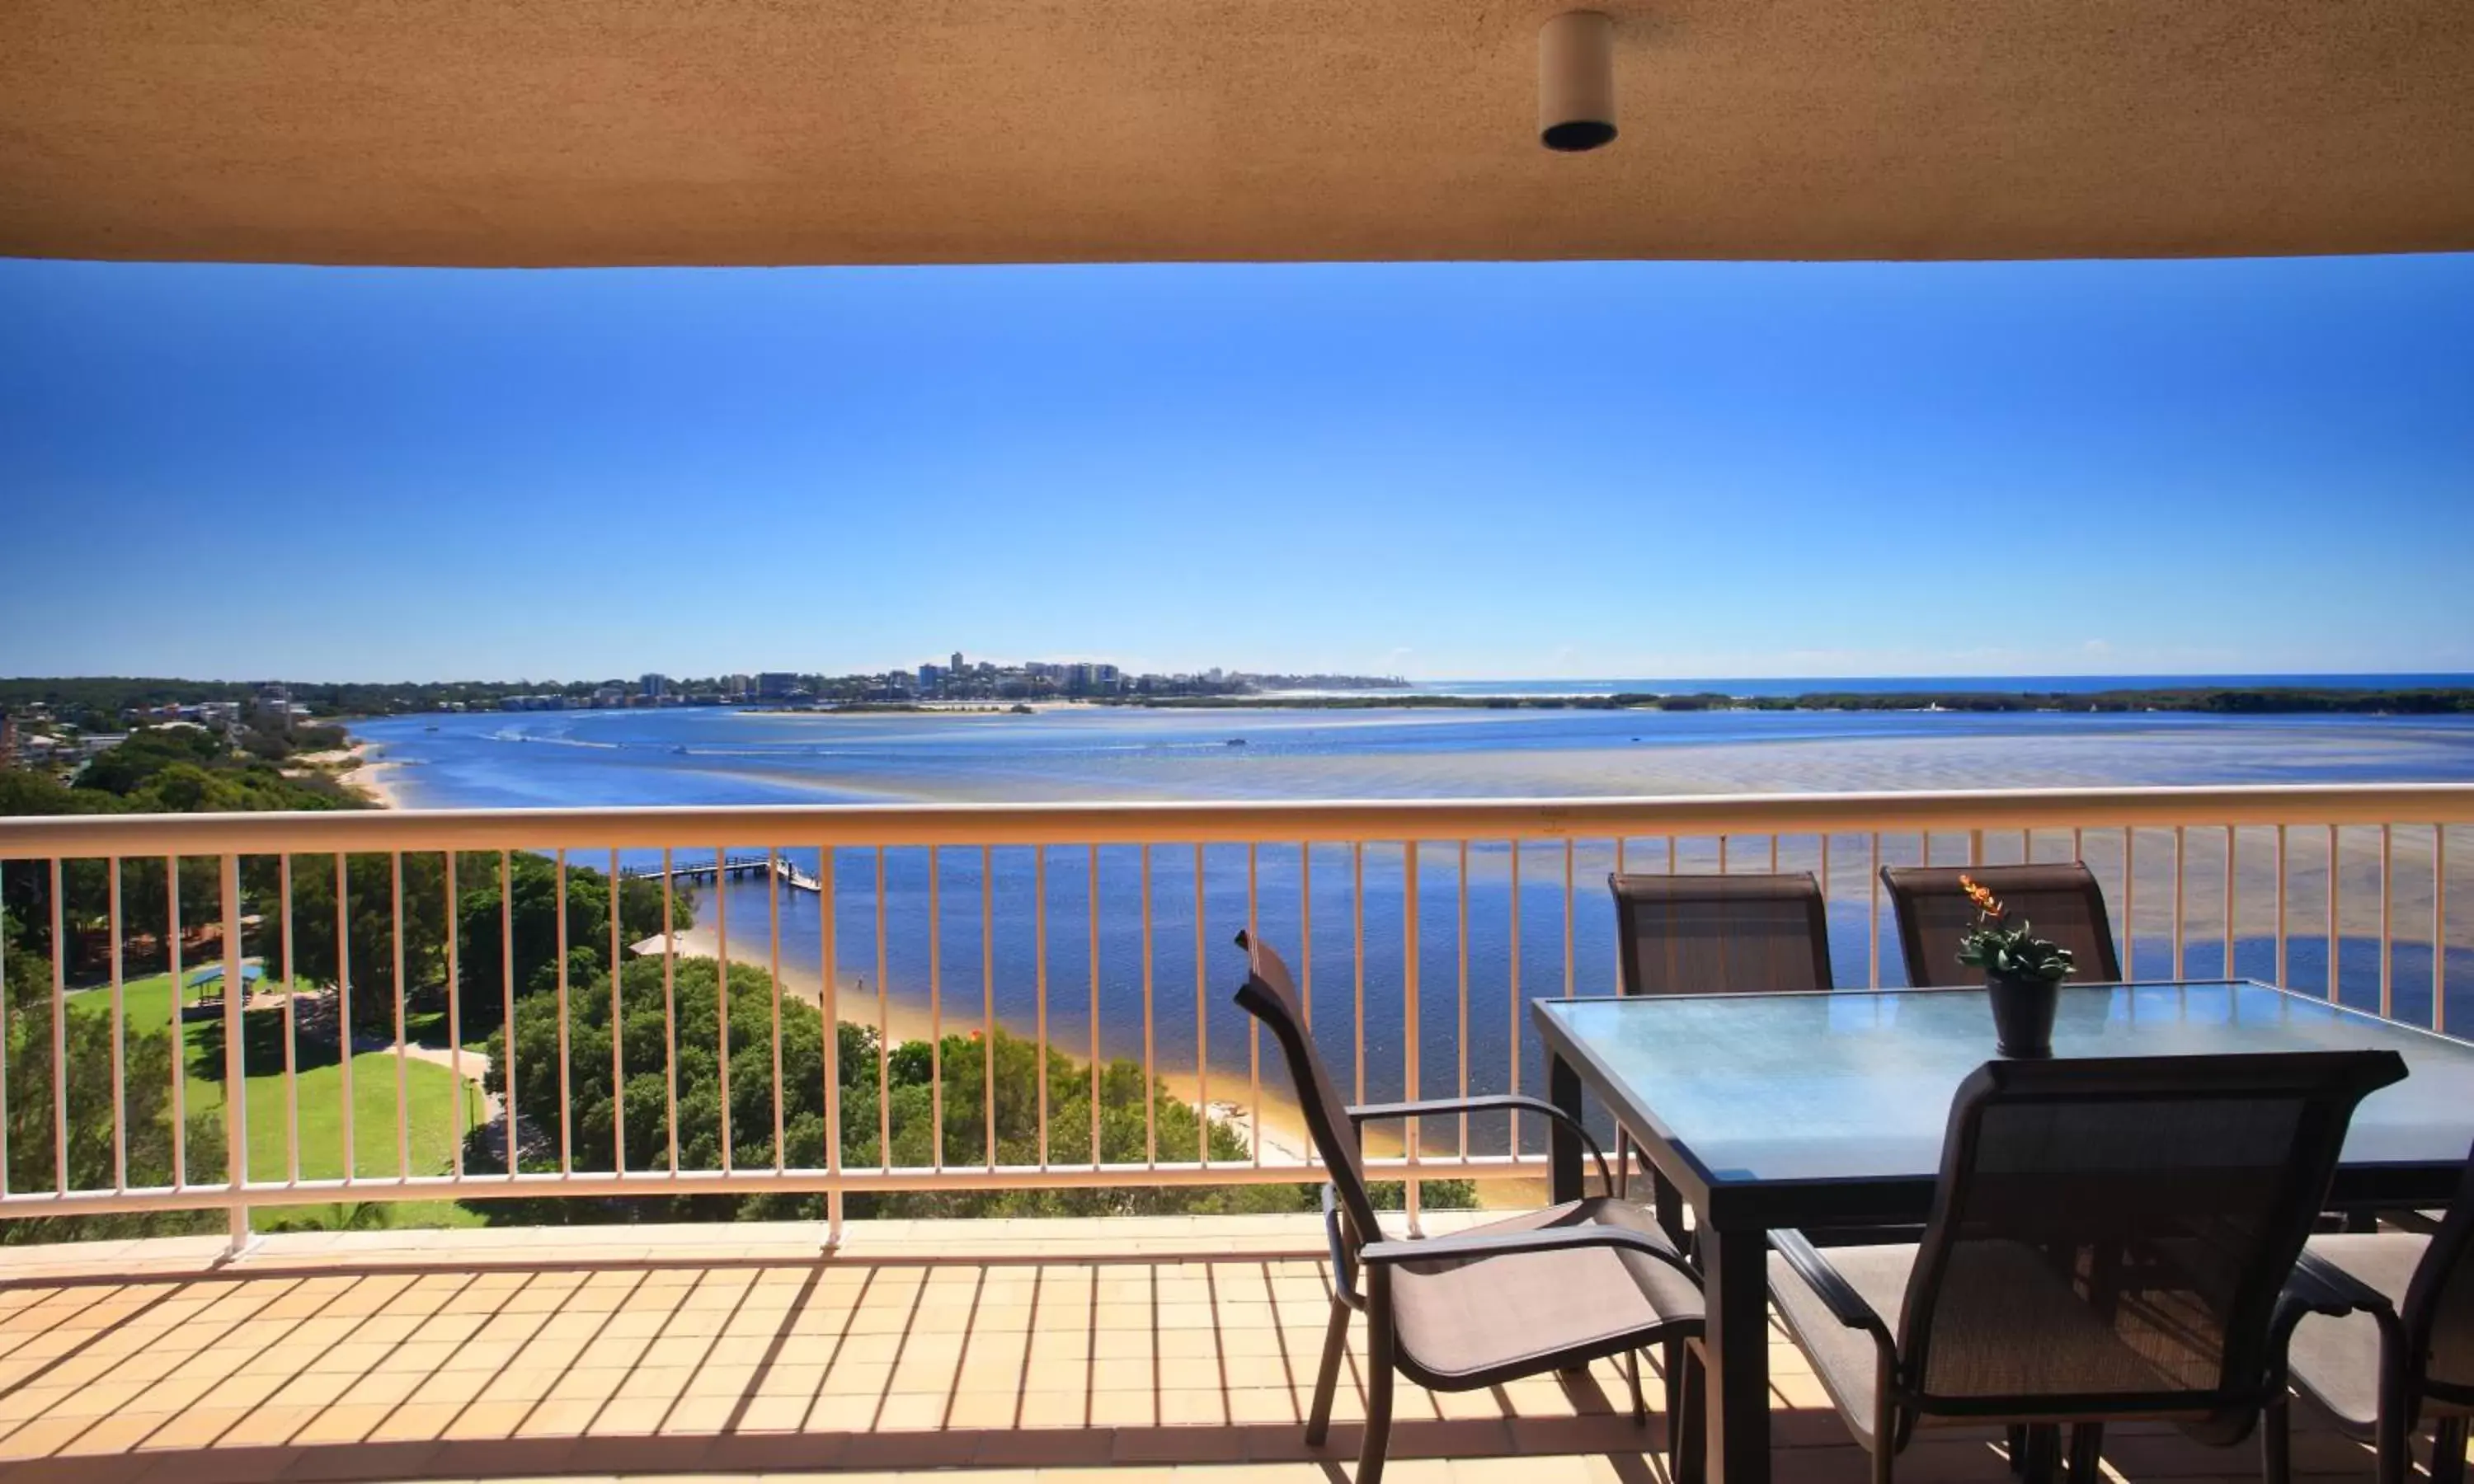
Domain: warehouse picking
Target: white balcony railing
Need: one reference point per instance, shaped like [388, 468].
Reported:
[1421, 929]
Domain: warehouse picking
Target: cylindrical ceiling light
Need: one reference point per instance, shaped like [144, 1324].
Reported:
[1576, 80]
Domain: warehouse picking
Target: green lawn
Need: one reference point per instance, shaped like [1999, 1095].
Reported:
[429, 1093]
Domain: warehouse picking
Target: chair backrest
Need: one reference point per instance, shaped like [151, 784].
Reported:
[2061, 899]
[1721, 934]
[2111, 1234]
[1270, 994]
[2438, 1310]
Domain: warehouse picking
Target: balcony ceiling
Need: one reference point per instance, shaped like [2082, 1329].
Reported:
[772, 132]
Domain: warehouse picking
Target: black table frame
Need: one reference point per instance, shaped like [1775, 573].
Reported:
[1735, 1217]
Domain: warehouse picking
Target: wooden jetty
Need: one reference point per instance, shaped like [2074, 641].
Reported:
[778, 867]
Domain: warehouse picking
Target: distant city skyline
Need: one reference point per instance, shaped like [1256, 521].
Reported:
[1443, 471]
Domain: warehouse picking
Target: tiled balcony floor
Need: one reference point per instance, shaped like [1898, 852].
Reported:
[1020, 1349]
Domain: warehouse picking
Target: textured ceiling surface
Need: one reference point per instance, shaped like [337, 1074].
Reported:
[672, 131]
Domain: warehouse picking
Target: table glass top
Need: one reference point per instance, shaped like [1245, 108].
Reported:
[1859, 1084]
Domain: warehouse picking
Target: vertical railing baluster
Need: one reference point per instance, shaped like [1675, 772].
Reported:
[2336, 925]
[773, 887]
[1410, 1029]
[1253, 1027]
[1039, 954]
[828, 956]
[403, 1035]
[1092, 1066]
[2180, 873]
[1571, 980]
[120, 1068]
[988, 995]
[507, 994]
[2388, 916]
[351, 1153]
[936, 1008]
[1306, 930]
[1512, 1041]
[179, 1036]
[233, 1093]
[1459, 940]
[1202, 1026]
[2279, 871]
[454, 1028]
[883, 1032]
[566, 1094]
[721, 993]
[618, 1024]
[1774, 853]
[235, 1066]
[669, 1009]
[1357, 918]
[2440, 928]
[1150, 1053]
[2233, 852]
[1873, 916]
[2129, 904]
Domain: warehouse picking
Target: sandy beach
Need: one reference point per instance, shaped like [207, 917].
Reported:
[1281, 1129]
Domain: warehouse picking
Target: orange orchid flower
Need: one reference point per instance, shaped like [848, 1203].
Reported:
[1985, 902]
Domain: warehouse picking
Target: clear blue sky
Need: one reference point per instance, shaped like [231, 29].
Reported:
[1512, 470]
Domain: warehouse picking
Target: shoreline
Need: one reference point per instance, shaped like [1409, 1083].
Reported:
[1283, 1136]
[369, 776]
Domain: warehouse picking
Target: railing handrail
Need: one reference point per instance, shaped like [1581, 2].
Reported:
[1223, 821]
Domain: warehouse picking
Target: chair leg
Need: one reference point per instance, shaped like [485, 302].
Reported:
[1378, 1400]
[2448, 1451]
[1640, 1402]
[2044, 1454]
[2276, 1443]
[1687, 1422]
[2014, 1438]
[2087, 1453]
[1335, 1345]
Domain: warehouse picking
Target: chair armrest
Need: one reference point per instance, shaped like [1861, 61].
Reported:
[1490, 1102]
[1497, 1244]
[1837, 1294]
[2322, 1287]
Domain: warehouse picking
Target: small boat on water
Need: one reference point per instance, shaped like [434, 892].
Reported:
[1236, 742]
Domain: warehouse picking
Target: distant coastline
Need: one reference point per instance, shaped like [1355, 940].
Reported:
[2215, 700]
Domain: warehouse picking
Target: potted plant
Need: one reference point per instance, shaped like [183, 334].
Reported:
[2023, 974]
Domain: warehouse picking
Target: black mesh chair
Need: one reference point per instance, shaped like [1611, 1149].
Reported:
[1550, 1290]
[2062, 900]
[1715, 935]
[2405, 1354]
[1721, 934]
[2110, 1239]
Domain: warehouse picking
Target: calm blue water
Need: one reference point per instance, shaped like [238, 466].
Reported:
[704, 756]
[1874, 685]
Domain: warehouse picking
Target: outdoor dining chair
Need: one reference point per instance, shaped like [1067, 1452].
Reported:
[2111, 1239]
[2406, 1352]
[1548, 1290]
[1714, 934]
[1721, 934]
[2061, 898]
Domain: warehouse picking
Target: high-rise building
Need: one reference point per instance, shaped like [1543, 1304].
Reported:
[656, 686]
[774, 684]
[930, 675]
[958, 662]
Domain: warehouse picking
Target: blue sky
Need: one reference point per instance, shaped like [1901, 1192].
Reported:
[1452, 470]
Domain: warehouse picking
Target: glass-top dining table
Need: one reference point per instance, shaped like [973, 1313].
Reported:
[1826, 1110]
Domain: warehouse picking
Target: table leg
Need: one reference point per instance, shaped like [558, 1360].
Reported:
[1734, 1270]
[1563, 1145]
